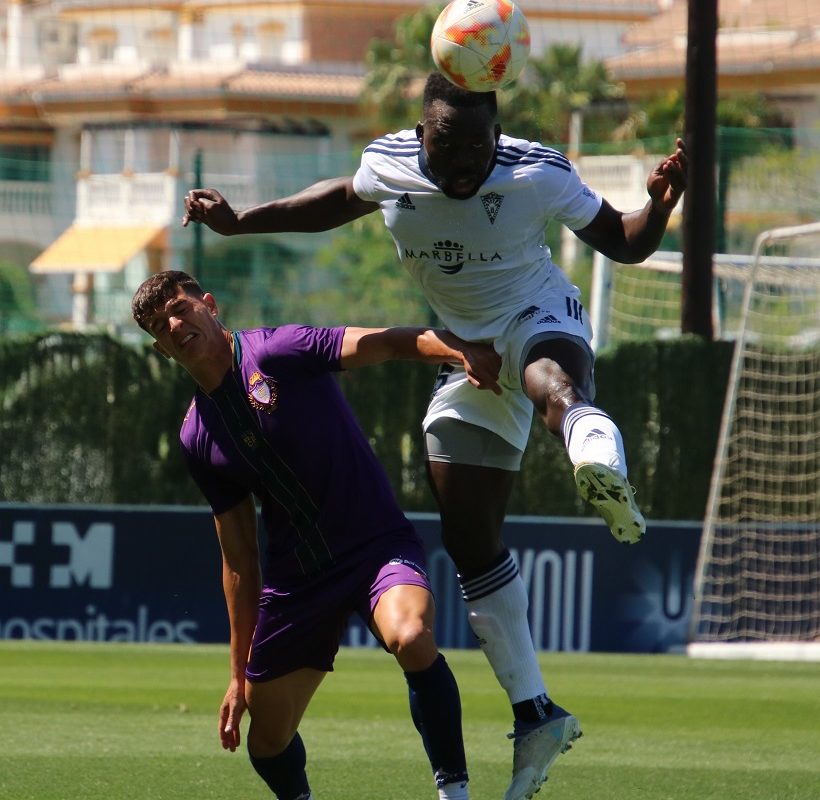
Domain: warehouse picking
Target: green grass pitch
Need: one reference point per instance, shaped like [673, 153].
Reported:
[134, 722]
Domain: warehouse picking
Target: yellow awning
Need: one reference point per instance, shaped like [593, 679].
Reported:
[97, 249]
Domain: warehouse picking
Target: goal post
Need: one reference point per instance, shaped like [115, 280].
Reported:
[757, 580]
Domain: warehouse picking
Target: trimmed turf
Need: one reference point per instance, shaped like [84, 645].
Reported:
[133, 722]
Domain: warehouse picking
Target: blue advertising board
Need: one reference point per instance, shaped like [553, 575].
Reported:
[153, 574]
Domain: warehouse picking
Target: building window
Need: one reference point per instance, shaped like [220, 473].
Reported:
[271, 36]
[158, 44]
[25, 163]
[102, 44]
[57, 41]
[237, 38]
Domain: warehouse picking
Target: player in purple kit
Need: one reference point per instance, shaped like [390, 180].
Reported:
[467, 206]
[268, 421]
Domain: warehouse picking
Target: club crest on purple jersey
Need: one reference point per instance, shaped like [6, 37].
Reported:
[263, 393]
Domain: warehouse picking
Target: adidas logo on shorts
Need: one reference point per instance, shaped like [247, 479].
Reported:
[405, 202]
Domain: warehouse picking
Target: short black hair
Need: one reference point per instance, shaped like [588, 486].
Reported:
[158, 290]
[437, 87]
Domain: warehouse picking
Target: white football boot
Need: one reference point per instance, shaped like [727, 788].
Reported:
[613, 498]
[535, 748]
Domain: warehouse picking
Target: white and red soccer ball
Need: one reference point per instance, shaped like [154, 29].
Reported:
[480, 45]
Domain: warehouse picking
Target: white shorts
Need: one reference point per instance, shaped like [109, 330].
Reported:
[555, 313]
[455, 442]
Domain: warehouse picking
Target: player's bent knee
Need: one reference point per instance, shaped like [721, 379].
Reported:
[267, 741]
[409, 635]
[413, 645]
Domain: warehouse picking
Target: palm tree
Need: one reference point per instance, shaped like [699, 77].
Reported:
[538, 105]
[397, 69]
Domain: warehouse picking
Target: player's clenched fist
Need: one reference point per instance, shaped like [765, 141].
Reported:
[667, 182]
[210, 207]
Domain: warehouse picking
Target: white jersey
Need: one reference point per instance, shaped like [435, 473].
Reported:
[480, 260]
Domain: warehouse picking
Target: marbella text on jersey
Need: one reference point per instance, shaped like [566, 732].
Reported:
[450, 252]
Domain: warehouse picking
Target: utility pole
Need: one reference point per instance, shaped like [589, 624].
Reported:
[699, 199]
[196, 255]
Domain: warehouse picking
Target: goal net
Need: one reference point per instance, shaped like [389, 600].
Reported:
[639, 301]
[757, 582]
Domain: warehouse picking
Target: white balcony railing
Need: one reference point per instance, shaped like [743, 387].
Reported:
[140, 198]
[29, 212]
[25, 197]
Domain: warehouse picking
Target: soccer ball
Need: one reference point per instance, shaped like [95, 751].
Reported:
[480, 45]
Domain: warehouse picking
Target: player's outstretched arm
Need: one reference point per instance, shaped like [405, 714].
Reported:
[632, 237]
[364, 346]
[241, 582]
[325, 205]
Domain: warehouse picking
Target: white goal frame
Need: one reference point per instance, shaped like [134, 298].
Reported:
[764, 650]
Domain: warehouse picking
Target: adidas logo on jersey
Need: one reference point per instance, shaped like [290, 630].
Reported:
[548, 319]
[405, 202]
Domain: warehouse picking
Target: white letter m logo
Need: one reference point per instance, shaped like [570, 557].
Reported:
[91, 556]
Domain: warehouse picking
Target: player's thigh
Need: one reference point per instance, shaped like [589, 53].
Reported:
[557, 372]
[472, 502]
[403, 620]
[276, 708]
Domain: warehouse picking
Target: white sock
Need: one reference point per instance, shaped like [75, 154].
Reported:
[497, 612]
[454, 791]
[591, 436]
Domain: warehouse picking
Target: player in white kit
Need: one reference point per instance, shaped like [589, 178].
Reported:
[467, 207]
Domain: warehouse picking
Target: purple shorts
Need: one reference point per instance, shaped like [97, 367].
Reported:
[303, 625]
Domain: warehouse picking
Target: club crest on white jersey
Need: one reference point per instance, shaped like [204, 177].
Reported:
[492, 204]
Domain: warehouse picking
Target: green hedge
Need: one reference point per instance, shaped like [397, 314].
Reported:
[87, 419]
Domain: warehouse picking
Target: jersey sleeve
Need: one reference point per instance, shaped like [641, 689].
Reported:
[316, 349]
[577, 205]
[384, 165]
[365, 181]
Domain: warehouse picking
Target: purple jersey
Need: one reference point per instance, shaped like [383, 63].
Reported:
[278, 426]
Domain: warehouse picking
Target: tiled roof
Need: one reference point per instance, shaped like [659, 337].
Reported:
[308, 86]
[315, 86]
[754, 37]
[732, 15]
[740, 56]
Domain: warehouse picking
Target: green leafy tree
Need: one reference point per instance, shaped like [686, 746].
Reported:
[748, 124]
[396, 69]
[370, 287]
[18, 306]
[540, 103]
[537, 105]
[661, 115]
[256, 281]
[658, 116]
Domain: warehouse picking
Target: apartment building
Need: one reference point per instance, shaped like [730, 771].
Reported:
[768, 46]
[111, 109]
